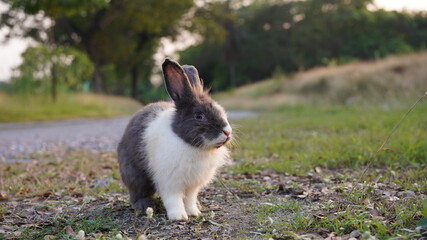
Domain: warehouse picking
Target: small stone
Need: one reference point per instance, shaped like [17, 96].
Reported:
[355, 234]
[80, 235]
[410, 193]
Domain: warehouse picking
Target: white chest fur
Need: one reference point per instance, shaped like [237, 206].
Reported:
[175, 165]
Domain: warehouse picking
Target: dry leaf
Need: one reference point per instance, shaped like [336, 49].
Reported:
[69, 230]
[3, 196]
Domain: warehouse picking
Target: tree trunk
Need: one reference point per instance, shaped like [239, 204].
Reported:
[232, 74]
[54, 85]
[134, 82]
[231, 51]
[96, 80]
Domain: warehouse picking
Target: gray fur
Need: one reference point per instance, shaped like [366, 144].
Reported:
[133, 161]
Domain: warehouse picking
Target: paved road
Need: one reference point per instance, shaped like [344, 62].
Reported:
[24, 141]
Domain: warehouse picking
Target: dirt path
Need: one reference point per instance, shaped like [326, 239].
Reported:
[24, 141]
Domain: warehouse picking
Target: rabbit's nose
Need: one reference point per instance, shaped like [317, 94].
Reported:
[226, 133]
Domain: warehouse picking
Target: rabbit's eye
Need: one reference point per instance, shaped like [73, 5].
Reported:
[199, 116]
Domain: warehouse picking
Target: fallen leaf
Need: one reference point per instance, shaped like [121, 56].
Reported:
[69, 230]
[47, 194]
[3, 196]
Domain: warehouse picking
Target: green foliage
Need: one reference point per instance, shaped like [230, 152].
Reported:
[242, 42]
[297, 35]
[44, 66]
[58, 8]
[119, 35]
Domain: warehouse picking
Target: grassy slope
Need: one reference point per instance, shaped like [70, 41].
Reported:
[392, 79]
[35, 108]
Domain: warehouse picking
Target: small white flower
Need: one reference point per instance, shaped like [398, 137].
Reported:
[149, 212]
[80, 235]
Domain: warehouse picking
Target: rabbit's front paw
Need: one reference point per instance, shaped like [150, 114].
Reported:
[193, 211]
[178, 216]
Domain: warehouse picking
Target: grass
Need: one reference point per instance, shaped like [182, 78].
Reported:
[297, 139]
[98, 223]
[284, 218]
[63, 191]
[295, 164]
[16, 108]
[83, 191]
[392, 79]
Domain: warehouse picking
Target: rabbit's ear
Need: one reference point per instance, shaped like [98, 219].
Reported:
[193, 76]
[177, 83]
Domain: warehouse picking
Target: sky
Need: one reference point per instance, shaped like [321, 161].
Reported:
[10, 53]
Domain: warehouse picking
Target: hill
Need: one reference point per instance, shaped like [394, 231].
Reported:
[391, 79]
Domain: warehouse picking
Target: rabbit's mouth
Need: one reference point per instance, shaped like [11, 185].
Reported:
[223, 143]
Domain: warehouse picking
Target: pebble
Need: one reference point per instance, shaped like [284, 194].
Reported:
[355, 234]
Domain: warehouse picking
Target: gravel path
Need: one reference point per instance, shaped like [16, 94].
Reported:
[30, 141]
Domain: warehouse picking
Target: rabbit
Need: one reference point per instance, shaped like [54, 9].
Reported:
[174, 148]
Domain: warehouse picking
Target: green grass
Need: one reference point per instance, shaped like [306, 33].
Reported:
[15, 108]
[99, 223]
[286, 217]
[297, 139]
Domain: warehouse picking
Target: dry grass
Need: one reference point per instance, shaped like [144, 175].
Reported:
[395, 77]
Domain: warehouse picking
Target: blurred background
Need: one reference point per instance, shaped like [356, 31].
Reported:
[311, 50]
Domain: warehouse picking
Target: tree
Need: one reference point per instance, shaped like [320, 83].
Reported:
[45, 69]
[297, 35]
[216, 23]
[124, 33]
[144, 25]
[88, 18]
